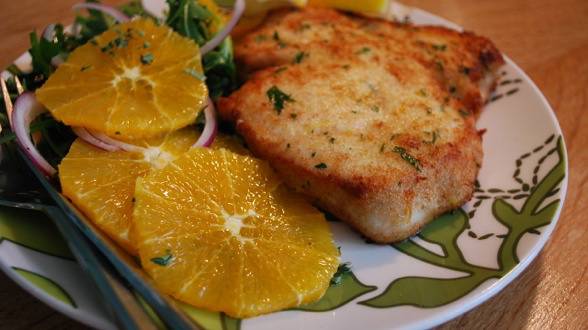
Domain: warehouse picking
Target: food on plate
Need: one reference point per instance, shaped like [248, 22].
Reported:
[136, 80]
[372, 120]
[219, 230]
[375, 121]
[102, 183]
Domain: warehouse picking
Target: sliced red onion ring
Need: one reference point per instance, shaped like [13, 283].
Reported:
[210, 127]
[26, 109]
[116, 143]
[238, 10]
[118, 15]
[48, 32]
[57, 60]
[83, 134]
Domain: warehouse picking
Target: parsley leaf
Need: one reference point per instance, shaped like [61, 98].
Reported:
[163, 260]
[277, 39]
[300, 57]
[408, 157]
[320, 166]
[147, 58]
[342, 270]
[278, 98]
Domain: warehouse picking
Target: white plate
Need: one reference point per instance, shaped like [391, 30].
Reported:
[452, 266]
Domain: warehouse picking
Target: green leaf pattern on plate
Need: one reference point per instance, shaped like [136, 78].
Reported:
[34, 230]
[429, 292]
[339, 294]
[46, 284]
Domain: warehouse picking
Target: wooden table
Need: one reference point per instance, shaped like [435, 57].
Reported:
[549, 40]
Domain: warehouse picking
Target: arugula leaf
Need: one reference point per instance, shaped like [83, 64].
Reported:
[220, 70]
[195, 21]
[190, 19]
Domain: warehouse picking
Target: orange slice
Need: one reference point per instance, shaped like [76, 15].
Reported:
[101, 183]
[219, 231]
[134, 81]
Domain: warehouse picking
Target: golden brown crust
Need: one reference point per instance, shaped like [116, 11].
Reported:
[374, 133]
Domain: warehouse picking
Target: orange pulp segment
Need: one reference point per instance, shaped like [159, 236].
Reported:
[136, 80]
[101, 183]
[219, 231]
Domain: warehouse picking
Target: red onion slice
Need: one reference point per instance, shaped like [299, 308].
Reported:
[222, 34]
[83, 134]
[116, 143]
[118, 15]
[57, 60]
[210, 127]
[48, 32]
[26, 109]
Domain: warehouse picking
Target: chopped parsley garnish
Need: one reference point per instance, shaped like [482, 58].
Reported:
[300, 57]
[163, 260]
[464, 113]
[304, 26]
[194, 73]
[342, 270]
[422, 92]
[280, 69]
[260, 38]
[408, 157]
[147, 58]
[364, 50]
[375, 108]
[278, 98]
[277, 39]
[320, 166]
[146, 44]
[465, 70]
[440, 47]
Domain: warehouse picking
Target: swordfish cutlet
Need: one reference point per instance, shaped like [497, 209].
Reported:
[372, 120]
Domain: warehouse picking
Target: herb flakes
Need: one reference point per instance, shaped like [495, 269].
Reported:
[342, 270]
[440, 47]
[278, 98]
[147, 58]
[408, 157]
[277, 39]
[163, 260]
[300, 57]
[320, 166]
[363, 50]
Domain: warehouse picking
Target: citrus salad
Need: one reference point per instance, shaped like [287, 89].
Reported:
[120, 108]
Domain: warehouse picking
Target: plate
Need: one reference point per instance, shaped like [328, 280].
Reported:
[456, 263]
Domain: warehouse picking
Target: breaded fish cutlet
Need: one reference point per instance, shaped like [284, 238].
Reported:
[374, 121]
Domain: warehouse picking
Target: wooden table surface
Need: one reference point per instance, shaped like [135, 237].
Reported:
[549, 40]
